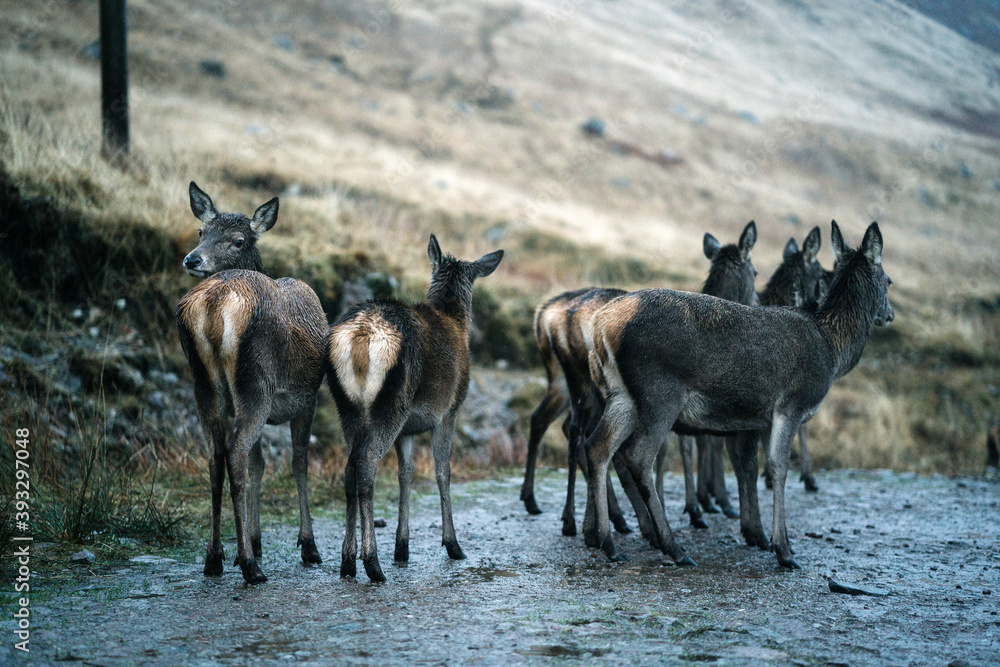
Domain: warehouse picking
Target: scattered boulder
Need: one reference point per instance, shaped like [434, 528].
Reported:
[84, 557]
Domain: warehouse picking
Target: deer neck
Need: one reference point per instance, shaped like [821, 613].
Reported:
[255, 263]
[847, 316]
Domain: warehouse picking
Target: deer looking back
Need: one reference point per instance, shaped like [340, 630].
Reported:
[662, 357]
[397, 370]
[255, 347]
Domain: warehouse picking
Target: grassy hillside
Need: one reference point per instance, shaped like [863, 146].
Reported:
[377, 123]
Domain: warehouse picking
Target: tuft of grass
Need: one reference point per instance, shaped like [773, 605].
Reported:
[92, 496]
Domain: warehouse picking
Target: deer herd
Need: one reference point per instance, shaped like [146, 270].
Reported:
[726, 367]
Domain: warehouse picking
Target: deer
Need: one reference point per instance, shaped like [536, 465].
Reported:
[560, 324]
[664, 359]
[396, 370]
[255, 348]
[799, 282]
[731, 276]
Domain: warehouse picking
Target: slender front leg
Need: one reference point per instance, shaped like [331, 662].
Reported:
[686, 443]
[256, 463]
[719, 491]
[441, 448]
[301, 427]
[551, 406]
[783, 431]
[805, 464]
[404, 455]
[743, 453]
[573, 451]
[705, 474]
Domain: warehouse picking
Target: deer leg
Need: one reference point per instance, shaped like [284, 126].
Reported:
[743, 452]
[806, 476]
[301, 427]
[719, 480]
[782, 432]
[441, 447]
[367, 467]
[256, 468]
[661, 465]
[349, 550]
[573, 452]
[247, 428]
[646, 528]
[552, 405]
[705, 471]
[691, 506]
[217, 473]
[404, 455]
[617, 423]
[639, 455]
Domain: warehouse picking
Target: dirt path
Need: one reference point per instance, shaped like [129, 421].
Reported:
[527, 594]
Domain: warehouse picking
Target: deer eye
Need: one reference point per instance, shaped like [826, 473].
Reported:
[238, 243]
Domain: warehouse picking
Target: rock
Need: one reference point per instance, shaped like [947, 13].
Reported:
[837, 587]
[152, 560]
[213, 67]
[593, 127]
[380, 523]
[83, 557]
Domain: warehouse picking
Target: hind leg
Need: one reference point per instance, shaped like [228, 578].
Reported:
[719, 491]
[706, 472]
[686, 443]
[805, 464]
[552, 405]
[404, 454]
[256, 465]
[743, 452]
[441, 447]
[301, 428]
[247, 428]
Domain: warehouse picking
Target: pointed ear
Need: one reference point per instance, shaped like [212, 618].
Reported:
[747, 239]
[434, 253]
[791, 248]
[811, 246]
[837, 242]
[201, 204]
[265, 217]
[871, 244]
[487, 264]
[710, 245]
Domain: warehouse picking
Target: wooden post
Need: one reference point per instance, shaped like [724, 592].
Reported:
[114, 79]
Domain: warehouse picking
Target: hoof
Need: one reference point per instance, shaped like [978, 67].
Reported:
[760, 541]
[810, 483]
[685, 561]
[213, 565]
[569, 527]
[611, 551]
[373, 569]
[310, 554]
[454, 551]
[402, 554]
[348, 568]
[255, 546]
[252, 574]
[730, 512]
[788, 563]
[590, 539]
[531, 505]
[698, 522]
[621, 527]
[709, 508]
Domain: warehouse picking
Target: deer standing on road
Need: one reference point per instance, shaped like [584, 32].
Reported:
[662, 357]
[396, 370]
[255, 347]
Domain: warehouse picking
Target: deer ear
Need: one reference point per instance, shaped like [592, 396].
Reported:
[747, 239]
[811, 246]
[710, 245]
[434, 253]
[837, 242]
[265, 217]
[871, 244]
[201, 204]
[487, 264]
[791, 248]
